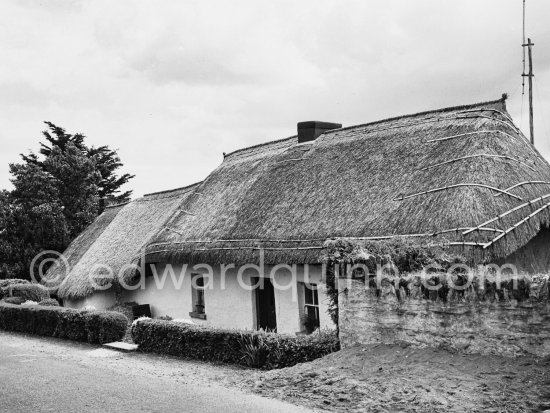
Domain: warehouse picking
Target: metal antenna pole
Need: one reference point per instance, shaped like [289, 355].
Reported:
[530, 75]
[523, 42]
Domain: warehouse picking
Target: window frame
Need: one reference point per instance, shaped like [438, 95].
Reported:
[198, 299]
[311, 293]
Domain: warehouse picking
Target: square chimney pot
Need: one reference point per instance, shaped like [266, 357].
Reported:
[311, 130]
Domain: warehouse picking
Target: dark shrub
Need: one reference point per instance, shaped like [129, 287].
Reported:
[32, 292]
[14, 300]
[49, 302]
[124, 308]
[91, 326]
[105, 326]
[250, 348]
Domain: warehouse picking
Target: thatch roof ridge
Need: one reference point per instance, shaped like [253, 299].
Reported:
[172, 192]
[422, 113]
[253, 148]
[373, 123]
[121, 204]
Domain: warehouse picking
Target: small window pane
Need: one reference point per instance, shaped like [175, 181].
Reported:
[310, 294]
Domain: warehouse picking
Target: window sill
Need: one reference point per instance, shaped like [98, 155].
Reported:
[194, 314]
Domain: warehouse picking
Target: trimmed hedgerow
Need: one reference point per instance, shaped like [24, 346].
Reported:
[14, 300]
[12, 281]
[30, 292]
[91, 326]
[250, 348]
[49, 302]
[5, 284]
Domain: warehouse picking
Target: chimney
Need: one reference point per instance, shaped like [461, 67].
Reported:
[309, 131]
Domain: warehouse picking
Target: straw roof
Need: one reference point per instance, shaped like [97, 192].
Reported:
[431, 175]
[60, 269]
[115, 241]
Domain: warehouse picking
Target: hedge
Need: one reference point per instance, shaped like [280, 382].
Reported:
[49, 302]
[14, 300]
[12, 281]
[249, 348]
[91, 326]
[30, 292]
[5, 284]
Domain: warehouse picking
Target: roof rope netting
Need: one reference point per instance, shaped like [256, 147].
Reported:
[498, 217]
[526, 183]
[403, 197]
[460, 135]
[516, 225]
[478, 155]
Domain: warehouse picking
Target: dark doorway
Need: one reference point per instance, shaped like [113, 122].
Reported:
[265, 305]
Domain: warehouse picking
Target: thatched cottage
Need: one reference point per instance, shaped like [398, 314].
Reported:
[463, 176]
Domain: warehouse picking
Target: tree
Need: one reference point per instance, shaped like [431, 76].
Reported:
[55, 197]
[107, 163]
[5, 247]
[33, 220]
[106, 160]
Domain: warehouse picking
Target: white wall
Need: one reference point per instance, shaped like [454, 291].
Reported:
[101, 300]
[228, 303]
[231, 305]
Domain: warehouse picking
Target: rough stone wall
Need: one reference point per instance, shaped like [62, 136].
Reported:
[471, 324]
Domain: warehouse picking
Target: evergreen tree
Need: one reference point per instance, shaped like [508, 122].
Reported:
[106, 160]
[55, 197]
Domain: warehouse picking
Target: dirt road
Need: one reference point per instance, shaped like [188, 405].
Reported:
[38, 374]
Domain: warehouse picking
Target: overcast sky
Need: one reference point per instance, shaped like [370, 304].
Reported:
[173, 84]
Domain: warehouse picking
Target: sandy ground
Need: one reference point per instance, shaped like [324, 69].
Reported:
[402, 379]
[376, 378]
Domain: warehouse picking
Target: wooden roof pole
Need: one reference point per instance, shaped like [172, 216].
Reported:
[541, 198]
[517, 224]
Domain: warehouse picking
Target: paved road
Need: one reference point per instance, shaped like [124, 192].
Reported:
[33, 378]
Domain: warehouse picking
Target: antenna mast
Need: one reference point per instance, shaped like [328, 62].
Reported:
[523, 42]
[530, 75]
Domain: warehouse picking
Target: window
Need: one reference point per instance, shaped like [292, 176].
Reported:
[310, 319]
[197, 292]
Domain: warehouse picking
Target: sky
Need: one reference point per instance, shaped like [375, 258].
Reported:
[174, 84]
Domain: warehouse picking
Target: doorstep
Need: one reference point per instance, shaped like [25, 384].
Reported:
[121, 346]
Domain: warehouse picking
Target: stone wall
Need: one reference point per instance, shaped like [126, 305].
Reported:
[471, 324]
